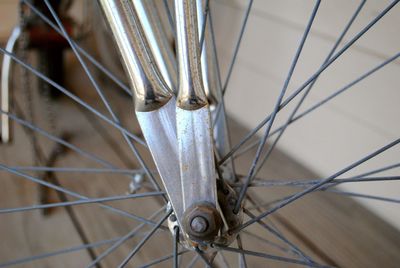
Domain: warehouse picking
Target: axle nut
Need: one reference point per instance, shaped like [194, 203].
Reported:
[199, 224]
[202, 222]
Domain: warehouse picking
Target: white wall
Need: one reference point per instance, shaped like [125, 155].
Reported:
[346, 129]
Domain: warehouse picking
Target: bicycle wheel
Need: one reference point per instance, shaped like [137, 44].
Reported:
[268, 209]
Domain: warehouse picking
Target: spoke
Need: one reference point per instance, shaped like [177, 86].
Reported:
[81, 50]
[367, 196]
[72, 96]
[277, 183]
[324, 101]
[83, 64]
[252, 170]
[334, 191]
[193, 261]
[316, 186]
[72, 193]
[175, 246]
[221, 111]
[222, 260]
[297, 182]
[310, 79]
[239, 41]
[266, 256]
[203, 257]
[122, 240]
[56, 253]
[60, 141]
[267, 242]
[80, 202]
[80, 170]
[386, 168]
[242, 257]
[308, 90]
[203, 26]
[162, 259]
[277, 234]
[103, 98]
[144, 240]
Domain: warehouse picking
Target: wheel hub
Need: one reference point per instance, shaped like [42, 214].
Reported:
[203, 224]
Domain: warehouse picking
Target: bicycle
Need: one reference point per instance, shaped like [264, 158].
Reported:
[206, 205]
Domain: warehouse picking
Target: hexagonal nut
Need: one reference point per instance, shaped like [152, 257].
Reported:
[204, 211]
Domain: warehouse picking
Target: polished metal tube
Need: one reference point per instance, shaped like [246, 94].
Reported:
[5, 85]
[208, 65]
[159, 44]
[191, 94]
[150, 89]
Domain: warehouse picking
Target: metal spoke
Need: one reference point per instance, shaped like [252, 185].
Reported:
[61, 141]
[330, 97]
[175, 247]
[81, 50]
[203, 257]
[122, 240]
[221, 111]
[162, 259]
[294, 248]
[266, 256]
[203, 26]
[56, 253]
[102, 97]
[242, 258]
[222, 261]
[239, 41]
[193, 261]
[72, 96]
[325, 100]
[311, 78]
[308, 90]
[378, 170]
[80, 170]
[316, 186]
[80, 202]
[252, 170]
[367, 196]
[72, 193]
[358, 178]
[144, 240]
[269, 243]
[277, 183]
[276, 233]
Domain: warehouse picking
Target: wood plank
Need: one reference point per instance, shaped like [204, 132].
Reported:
[30, 233]
[332, 230]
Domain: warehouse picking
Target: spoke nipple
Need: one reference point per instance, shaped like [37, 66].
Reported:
[172, 218]
[232, 201]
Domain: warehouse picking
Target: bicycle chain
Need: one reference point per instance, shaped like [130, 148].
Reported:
[23, 44]
[28, 90]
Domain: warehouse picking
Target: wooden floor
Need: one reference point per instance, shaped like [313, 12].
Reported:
[330, 229]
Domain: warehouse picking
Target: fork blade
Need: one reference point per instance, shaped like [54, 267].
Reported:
[196, 157]
[159, 130]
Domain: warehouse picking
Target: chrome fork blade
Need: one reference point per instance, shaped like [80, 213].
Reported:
[159, 130]
[194, 128]
[154, 102]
